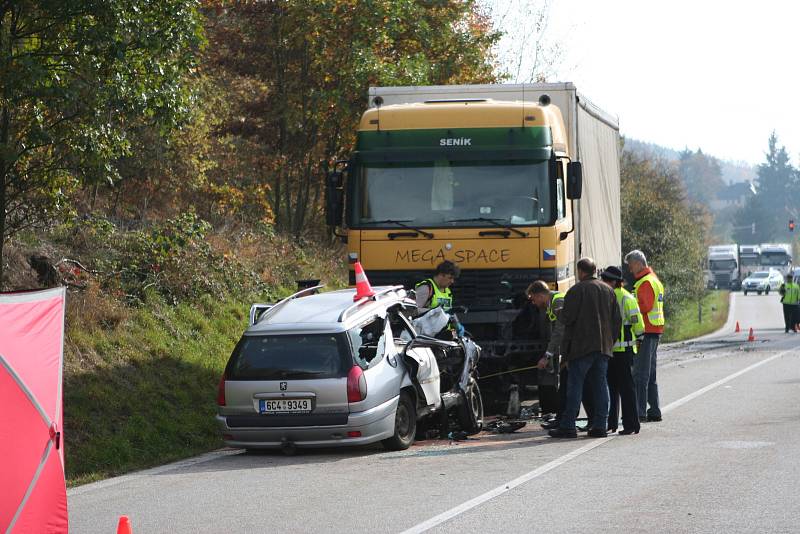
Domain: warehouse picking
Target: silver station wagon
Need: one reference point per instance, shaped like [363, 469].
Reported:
[323, 369]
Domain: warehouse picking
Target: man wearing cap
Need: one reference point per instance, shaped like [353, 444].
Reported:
[591, 325]
[435, 292]
[650, 295]
[620, 379]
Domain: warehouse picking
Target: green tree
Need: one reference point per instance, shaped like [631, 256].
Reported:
[701, 175]
[74, 76]
[297, 73]
[658, 220]
[775, 200]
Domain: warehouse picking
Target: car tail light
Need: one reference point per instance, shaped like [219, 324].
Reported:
[221, 391]
[356, 385]
[354, 434]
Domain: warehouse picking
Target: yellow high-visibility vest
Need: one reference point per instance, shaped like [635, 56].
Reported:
[558, 295]
[791, 293]
[443, 298]
[656, 314]
[632, 321]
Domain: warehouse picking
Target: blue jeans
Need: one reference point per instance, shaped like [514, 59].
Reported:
[644, 376]
[594, 368]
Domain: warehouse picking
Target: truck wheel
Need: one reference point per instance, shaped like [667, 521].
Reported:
[759, 292]
[745, 293]
[405, 424]
[470, 410]
[766, 292]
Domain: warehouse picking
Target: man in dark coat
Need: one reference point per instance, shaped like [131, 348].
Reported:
[592, 322]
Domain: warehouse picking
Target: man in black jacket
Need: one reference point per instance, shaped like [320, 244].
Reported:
[592, 322]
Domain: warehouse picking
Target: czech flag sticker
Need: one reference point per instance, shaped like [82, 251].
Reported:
[549, 254]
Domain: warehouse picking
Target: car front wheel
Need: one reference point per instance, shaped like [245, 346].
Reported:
[745, 293]
[405, 424]
[470, 411]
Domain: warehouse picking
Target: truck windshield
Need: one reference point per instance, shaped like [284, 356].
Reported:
[722, 265]
[775, 258]
[443, 193]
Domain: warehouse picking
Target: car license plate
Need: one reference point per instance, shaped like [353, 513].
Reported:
[272, 406]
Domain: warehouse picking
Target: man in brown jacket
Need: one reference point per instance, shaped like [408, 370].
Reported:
[592, 322]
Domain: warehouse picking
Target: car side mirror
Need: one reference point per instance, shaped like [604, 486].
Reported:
[574, 179]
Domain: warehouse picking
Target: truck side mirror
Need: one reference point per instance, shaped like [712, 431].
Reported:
[574, 179]
[334, 199]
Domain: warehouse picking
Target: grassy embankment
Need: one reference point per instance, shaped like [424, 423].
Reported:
[684, 325]
[149, 332]
[142, 392]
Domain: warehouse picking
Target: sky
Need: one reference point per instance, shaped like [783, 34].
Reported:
[718, 75]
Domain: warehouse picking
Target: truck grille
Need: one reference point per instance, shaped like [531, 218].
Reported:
[722, 280]
[479, 289]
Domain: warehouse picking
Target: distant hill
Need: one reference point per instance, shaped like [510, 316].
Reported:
[732, 171]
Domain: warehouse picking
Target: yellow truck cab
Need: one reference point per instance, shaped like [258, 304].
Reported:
[490, 177]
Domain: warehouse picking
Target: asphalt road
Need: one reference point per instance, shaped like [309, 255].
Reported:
[723, 460]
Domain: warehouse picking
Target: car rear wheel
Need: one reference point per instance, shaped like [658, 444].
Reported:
[470, 412]
[405, 424]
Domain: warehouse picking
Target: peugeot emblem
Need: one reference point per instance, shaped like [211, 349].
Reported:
[284, 385]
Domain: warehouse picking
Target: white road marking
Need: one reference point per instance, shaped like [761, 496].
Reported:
[508, 486]
[680, 402]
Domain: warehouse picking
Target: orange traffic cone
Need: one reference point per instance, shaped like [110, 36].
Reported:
[124, 526]
[751, 337]
[363, 289]
[737, 327]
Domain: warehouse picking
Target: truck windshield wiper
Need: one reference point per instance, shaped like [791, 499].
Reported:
[491, 221]
[400, 223]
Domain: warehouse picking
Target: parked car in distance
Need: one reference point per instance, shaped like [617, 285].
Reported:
[763, 282]
[322, 370]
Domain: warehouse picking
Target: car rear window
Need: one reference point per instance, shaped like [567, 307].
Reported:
[294, 357]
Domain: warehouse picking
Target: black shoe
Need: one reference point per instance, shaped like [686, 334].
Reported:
[643, 419]
[561, 433]
[612, 430]
[598, 433]
[550, 425]
[653, 418]
[625, 432]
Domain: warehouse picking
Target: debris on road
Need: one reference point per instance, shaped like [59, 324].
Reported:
[505, 427]
[457, 435]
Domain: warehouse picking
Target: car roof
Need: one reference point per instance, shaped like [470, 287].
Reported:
[331, 311]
